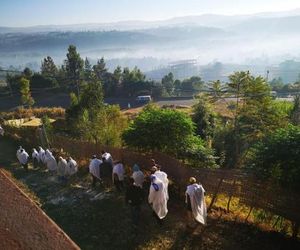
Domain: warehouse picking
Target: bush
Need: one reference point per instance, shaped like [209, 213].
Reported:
[278, 157]
[169, 131]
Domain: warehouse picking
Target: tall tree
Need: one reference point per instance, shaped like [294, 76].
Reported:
[100, 69]
[48, 67]
[26, 98]
[87, 70]
[254, 112]
[74, 66]
[168, 83]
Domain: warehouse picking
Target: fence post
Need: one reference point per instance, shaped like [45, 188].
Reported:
[215, 195]
[295, 229]
[249, 214]
[231, 193]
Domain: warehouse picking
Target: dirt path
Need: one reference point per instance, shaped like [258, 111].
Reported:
[99, 219]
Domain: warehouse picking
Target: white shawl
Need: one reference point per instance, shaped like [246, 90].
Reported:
[118, 170]
[158, 199]
[61, 167]
[196, 194]
[51, 162]
[94, 167]
[22, 156]
[72, 167]
[35, 155]
[164, 179]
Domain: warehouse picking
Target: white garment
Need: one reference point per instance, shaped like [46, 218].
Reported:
[94, 167]
[158, 199]
[22, 156]
[42, 155]
[164, 179]
[72, 167]
[119, 171]
[51, 162]
[138, 177]
[62, 167]
[1, 131]
[35, 155]
[196, 194]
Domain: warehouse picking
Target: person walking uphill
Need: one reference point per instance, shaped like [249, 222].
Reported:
[23, 157]
[134, 197]
[195, 203]
[94, 169]
[158, 199]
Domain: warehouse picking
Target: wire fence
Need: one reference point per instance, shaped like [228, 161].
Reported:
[237, 183]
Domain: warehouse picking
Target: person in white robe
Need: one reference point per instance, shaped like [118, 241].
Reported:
[35, 156]
[1, 131]
[50, 161]
[61, 168]
[118, 175]
[72, 166]
[23, 157]
[138, 176]
[42, 155]
[107, 157]
[94, 169]
[157, 199]
[163, 177]
[196, 202]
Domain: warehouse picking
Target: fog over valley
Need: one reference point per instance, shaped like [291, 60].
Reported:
[260, 42]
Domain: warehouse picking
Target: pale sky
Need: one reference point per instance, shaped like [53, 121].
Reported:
[17, 13]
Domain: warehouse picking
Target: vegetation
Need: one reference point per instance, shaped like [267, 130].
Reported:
[277, 156]
[26, 98]
[168, 131]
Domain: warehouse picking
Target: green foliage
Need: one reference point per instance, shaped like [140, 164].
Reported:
[42, 81]
[74, 67]
[90, 119]
[204, 118]
[254, 111]
[26, 98]
[48, 67]
[168, 83]
[168, 131]
[277, 156]
[295, 111]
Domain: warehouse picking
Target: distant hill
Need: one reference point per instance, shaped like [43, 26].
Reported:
[241, 39]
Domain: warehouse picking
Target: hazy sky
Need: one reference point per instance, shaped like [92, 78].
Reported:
[41, 12]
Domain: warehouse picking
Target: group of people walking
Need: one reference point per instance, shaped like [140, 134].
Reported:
[137, 183]
[107, 172]
[63, 167]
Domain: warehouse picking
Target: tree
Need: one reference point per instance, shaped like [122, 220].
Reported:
[41, 81]
[295, 112]
[151, 130]
[277, 156]
[100, 69]
[204, 118]
[26, 98]
[27, 73]
[90, 119]
[254, 112]
[134, 81]
[87, 69]
[48, 67]
[168, 83]
[192, 84]
[74, 66]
